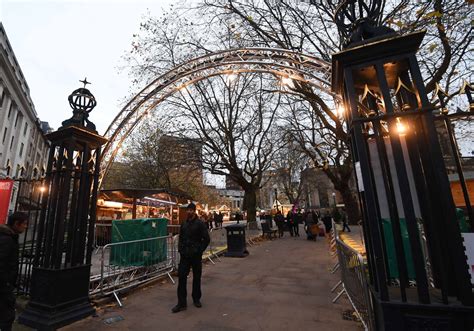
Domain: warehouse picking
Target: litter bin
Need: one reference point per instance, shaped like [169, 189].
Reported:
[236, 241]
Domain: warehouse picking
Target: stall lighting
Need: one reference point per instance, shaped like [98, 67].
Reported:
[112, 204]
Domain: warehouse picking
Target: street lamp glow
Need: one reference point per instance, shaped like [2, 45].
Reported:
[42, 189]
[401, 128]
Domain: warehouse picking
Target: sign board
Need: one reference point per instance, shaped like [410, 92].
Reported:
[360, 183]
[6, 186]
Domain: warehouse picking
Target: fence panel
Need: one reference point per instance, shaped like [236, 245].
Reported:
[127, 264]
[28, 200]
[354, 280]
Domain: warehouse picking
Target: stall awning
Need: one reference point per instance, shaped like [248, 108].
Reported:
[128, 195]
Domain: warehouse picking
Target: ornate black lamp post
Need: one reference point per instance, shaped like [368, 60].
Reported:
[404, 182]
[61, 268]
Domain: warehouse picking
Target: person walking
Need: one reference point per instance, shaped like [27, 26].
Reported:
[289, 222]
[16, 224]
[280, 223]
[215, 219]
[220, 220]
[345, 225]
[238, 217]
[193, 240]
[298, 218]
[308, 223]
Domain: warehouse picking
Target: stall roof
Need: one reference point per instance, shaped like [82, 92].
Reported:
[127, 194]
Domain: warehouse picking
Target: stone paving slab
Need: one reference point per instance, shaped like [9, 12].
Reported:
[284, 284]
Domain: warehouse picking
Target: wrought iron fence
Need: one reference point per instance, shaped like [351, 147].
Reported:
[28, 200]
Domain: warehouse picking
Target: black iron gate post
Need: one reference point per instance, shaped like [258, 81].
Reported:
[61, 267]
[402, 177]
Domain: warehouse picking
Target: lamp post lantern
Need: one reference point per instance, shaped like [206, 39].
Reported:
[62, 261]
[334, 198]
[402, 180]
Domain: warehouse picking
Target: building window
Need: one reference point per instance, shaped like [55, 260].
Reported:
[4, 135]
[26, 129]
[2, 96]
[18, 117]
[21, 149]
[11, 143]
[29, 150]
[8, 168]
[10, 109]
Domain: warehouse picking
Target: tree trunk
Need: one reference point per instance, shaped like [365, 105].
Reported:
[250, 199]
[351, 204]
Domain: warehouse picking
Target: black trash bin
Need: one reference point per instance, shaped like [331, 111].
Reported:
[236, 246]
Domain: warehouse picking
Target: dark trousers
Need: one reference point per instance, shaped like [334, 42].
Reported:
[185, 264]
[7, 309]
[290, 228]
[345, 226]
[296, 229]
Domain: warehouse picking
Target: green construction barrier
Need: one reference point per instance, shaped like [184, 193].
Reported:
[461, 220]
[142, 253]
[390, 247]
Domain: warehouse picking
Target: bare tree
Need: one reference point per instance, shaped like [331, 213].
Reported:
[235, 119]
[309, 28]
[288, 164]
[151, 159]
[184, 32]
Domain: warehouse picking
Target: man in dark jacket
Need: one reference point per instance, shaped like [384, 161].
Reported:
[16, 224]
[193, 240]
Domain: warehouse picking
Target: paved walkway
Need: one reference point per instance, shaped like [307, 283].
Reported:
[283, 284]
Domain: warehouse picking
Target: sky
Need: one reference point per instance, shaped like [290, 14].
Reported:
[59, 42]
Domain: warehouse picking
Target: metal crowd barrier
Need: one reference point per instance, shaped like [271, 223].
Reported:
[217, 244]
[127, 264]
[353, 281]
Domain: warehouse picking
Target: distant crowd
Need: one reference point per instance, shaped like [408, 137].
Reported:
[316, 222]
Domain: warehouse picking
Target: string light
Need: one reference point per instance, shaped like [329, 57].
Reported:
[287, 81]
[230, 77]
[340, 110]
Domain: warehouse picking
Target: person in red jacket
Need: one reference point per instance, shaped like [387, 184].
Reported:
[17, 223]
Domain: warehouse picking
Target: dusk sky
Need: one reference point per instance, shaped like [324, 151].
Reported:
[57, 43]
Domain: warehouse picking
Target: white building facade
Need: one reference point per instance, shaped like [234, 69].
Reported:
[23, 145]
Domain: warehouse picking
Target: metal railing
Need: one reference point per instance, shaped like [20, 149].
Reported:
[217, 244]
[127, 264]
[353, 281]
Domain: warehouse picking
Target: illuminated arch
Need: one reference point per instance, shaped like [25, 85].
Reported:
[280, 62]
